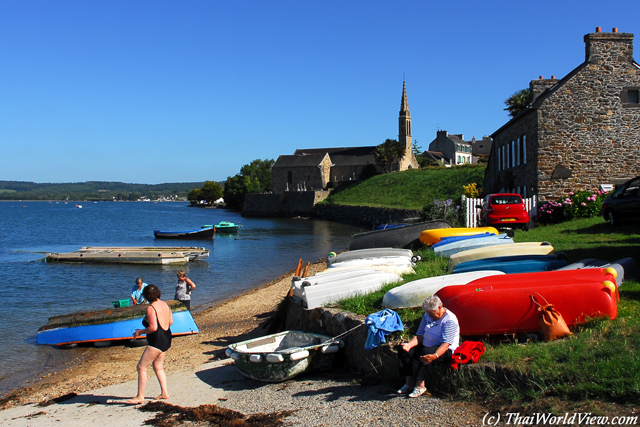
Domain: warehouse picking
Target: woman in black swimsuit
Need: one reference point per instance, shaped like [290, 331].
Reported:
[157, 324]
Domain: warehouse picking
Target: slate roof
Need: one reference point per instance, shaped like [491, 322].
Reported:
[344, 156]
[301, 160]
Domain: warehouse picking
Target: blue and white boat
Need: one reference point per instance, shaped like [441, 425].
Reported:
[104, 327]
[514, 264]
[448, 247]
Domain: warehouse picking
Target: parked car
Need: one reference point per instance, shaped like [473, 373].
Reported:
[504, 210]
[623, 204]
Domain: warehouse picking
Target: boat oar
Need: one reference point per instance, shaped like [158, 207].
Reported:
[306, 269]
[299, 267]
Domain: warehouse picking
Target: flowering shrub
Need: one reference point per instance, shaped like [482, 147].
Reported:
[471, 191]
[444, 210]
[581, 204]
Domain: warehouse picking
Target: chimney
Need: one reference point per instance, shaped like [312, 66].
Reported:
[613, 47]
[537, 87]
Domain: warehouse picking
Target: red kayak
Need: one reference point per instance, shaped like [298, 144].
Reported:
[503, 305]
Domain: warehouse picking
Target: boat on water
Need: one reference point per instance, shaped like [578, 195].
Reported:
[205, 232]
[447, 248]
[194, 253]
[406, 237]
[514, 264]
[103, 327]
[412, 294]
[503, 304]
[521, 248]
[282, 356]
[226, 227]
[120, 256]
[432, 236]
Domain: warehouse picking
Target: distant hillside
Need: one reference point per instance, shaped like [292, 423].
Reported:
[94, 190]
[412, 189]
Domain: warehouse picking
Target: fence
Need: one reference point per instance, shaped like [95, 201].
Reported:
[474, 206]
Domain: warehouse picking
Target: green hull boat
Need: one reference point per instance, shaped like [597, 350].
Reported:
[284, 355]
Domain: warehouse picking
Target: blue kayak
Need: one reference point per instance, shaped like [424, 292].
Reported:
[513, 264]
[445, 240]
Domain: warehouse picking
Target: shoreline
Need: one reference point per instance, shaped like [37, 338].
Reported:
[234, 319]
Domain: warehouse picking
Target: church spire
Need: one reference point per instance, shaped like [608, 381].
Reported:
[404, 132]
[404, 121]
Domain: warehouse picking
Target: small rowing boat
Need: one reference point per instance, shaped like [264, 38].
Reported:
[429, 237]
[102, 327]
[284, 355]
[205, 232]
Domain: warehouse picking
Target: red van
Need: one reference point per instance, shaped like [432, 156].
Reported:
[505, 210]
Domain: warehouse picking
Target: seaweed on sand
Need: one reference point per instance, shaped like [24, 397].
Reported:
[172, 415]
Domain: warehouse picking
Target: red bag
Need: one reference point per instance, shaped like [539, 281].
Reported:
[551, 322]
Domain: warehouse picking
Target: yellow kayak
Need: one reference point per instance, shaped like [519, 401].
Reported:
[434, 235]
[509, 249]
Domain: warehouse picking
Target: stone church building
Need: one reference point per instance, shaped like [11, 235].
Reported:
[313, 169]
[578, 132]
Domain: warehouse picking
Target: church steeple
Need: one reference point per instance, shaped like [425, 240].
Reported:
[404, 121]
[404, 132]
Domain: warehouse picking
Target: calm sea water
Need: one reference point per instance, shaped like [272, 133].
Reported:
[263, 250]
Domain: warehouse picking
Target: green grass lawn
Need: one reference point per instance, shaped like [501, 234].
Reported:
[598, 363]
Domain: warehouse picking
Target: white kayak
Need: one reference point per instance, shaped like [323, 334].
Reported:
[448, 249]
[624, 267]
[397, 264]
[412, 294]
[512, 249]
[368, 253]
[330, 292]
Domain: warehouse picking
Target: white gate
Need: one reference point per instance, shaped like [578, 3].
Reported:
[474, 206]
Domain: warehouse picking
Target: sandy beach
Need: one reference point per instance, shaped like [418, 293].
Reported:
[199, 373]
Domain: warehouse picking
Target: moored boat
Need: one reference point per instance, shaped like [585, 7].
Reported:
[429, 237]
[226, 227]
[284, 355]
[406, 237]
[109, 325]
[504, 304]
[206, 232]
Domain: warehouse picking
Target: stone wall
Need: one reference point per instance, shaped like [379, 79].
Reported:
[362, 216]
[382, 361]
[282, 205]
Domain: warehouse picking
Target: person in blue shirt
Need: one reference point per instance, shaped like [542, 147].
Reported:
[136, 292]
[437, 338]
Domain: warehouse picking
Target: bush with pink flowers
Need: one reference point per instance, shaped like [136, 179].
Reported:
[581, 204]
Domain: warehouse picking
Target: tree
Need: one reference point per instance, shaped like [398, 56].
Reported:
[194, 195]
[389, 152]
[256, 177]
[518, 102]
[211, 191]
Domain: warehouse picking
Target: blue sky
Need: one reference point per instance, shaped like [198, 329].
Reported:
[174, 91]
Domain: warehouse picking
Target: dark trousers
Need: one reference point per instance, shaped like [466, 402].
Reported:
[187, 303]
[410, 365]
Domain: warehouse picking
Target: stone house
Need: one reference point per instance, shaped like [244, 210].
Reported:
[313, 169]
[453, 149]
[578, 132]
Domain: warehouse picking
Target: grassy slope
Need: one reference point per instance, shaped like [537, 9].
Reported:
[411, 189]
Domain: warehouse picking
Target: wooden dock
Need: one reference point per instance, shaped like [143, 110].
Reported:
[131, 255]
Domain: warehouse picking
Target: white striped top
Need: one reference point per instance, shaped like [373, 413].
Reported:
[435, 332]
